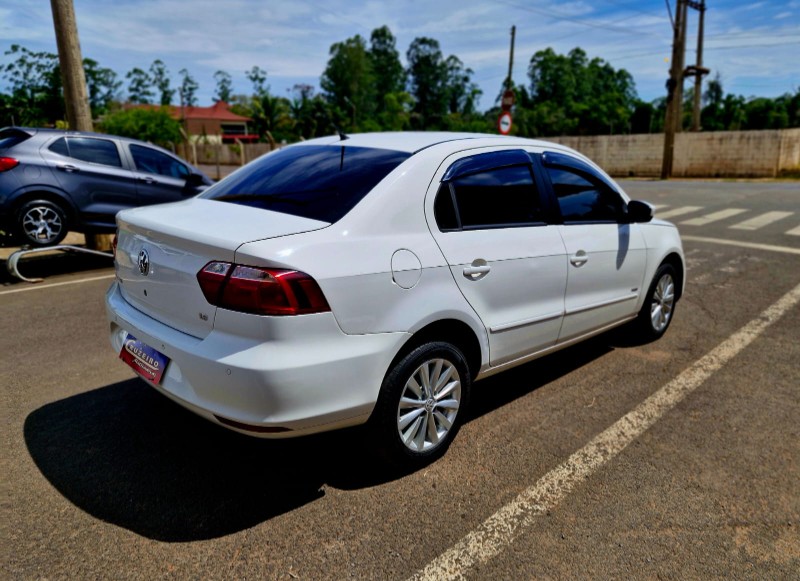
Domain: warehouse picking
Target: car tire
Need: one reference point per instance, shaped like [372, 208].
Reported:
[659, 305]
[41, 223]
[422, 403]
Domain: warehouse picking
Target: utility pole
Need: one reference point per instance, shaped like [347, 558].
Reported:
[79, 115]
[673, 120]
[76, 98]
[509, 81]
[698, 70]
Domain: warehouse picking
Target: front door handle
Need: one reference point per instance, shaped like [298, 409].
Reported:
[476, 272]
[579, 258]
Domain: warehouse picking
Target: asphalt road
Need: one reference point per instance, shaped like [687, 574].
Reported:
[552, 477]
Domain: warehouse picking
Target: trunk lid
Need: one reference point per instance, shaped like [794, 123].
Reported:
[160, 250]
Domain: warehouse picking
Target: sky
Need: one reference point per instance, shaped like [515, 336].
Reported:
[754, 46]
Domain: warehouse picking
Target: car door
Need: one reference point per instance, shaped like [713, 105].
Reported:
[91, 171]
[160, 177]
[606, 253]
[491, 225]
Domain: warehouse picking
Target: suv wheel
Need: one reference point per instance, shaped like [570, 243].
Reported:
[41, 223]
[422, 403]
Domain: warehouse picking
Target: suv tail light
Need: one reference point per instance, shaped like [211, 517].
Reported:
[262, 291]
[7, 163]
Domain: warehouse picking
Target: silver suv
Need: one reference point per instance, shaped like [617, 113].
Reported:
[54, 181]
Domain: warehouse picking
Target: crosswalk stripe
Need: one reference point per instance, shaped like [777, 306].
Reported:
[678, 212]
[794, 231]
[761, 221]
[659, 206]
[714, 217]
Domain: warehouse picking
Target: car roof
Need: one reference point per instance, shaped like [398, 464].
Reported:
[51, 131]
[414, 141]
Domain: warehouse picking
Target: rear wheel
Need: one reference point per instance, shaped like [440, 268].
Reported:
[422, 403]
[41, 223]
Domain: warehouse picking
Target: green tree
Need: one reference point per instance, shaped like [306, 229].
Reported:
[348, 83]
[188, 89]
[571, 94]
[160, 77]
[140, 86]
[154, 125]
[258, 77]
[426, 79]
[101, 85]
[224, 88]
[387, 70]
[34, 79]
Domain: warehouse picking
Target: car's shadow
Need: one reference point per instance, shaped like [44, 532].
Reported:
[129, 456]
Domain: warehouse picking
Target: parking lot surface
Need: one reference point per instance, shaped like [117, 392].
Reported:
[576, 465]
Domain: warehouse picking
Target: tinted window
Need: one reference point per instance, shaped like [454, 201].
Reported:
[584, 198]
[444, 211]
[320, 182]
[150, 160]
[10, 138]
[498, 197]
[59, 146]
[92, 150]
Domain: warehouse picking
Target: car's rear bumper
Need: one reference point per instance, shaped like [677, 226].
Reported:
[288, 384]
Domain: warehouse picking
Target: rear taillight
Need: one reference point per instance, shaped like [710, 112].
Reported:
[262, 291]
[7, 163]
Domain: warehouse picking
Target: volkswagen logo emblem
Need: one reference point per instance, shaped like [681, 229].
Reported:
[144, 262]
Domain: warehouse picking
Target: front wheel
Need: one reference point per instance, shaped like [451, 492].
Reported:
[422, 403]
[659, 305]
[41, 223]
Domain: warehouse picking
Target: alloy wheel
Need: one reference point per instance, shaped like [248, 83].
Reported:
[428, 406]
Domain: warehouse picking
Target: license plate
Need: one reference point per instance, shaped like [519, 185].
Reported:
[143, 359]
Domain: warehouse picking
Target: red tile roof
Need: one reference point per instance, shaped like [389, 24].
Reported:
[219, 111]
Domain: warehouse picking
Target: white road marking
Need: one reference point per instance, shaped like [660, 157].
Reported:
[503, 527]
[714, 217]
[761, 221]
[794, 231]
[753, 245]
[659, 206]
[677, 212]
[42, 286]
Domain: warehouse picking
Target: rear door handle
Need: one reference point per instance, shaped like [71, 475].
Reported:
[147, 179]
[476, 272]
[579, 258]
[67, 167]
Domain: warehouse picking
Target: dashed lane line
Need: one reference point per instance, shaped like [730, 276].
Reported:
[55, 284]
[503, 527]
[740, 244]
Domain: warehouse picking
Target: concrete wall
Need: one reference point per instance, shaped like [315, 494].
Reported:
[706, 154]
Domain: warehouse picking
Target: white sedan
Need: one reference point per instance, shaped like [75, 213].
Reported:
[374, 278]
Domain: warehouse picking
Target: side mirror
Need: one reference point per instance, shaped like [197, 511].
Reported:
[195, 180]
[639, 211]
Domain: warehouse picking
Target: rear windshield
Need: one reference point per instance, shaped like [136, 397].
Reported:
[11, 137]
[321, 182]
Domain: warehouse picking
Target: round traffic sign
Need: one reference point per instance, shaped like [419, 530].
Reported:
[504, 123]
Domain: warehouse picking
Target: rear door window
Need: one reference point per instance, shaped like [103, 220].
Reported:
[321, 182]
[90, 149]
[489, 197]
